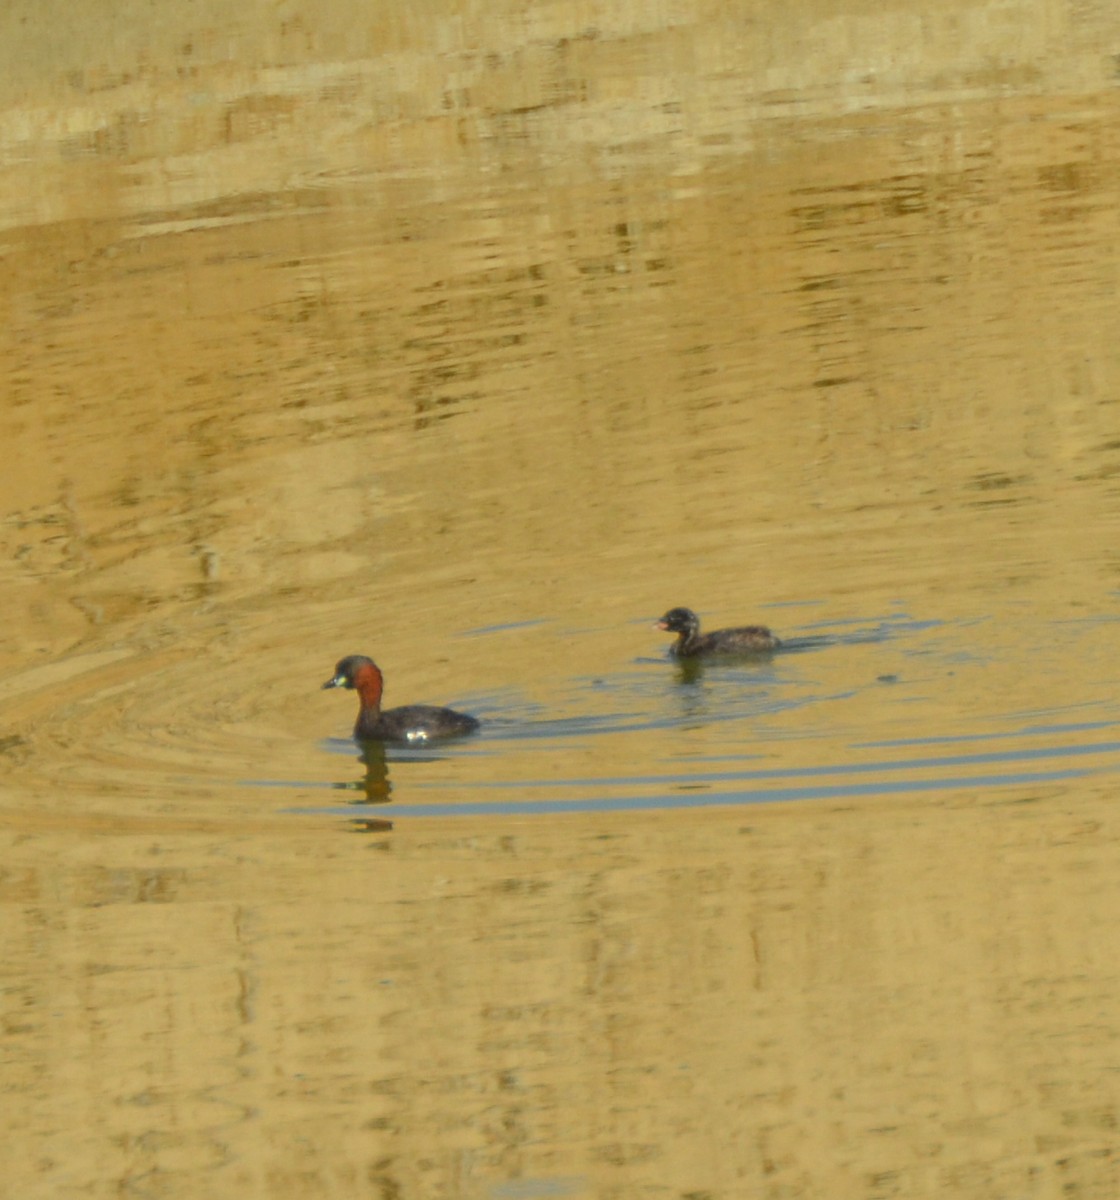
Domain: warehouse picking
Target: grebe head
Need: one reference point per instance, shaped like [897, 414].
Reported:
[354, 671]
[679, 620]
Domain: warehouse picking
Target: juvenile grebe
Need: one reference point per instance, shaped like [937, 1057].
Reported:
[691, 643]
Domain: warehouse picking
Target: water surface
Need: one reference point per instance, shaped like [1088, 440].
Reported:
[474, 341]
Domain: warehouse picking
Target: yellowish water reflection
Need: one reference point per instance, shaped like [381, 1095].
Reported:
[803, 998]
[475, 340]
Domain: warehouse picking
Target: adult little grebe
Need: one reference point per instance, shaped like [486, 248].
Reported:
[691, 643]
[412, 723]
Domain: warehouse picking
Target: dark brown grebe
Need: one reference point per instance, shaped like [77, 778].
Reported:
[412, 723]
[691, 643]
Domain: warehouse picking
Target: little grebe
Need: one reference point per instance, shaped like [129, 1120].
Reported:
[690, 643]
[412, 723]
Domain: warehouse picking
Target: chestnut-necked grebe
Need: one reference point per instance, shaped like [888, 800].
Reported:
[412, 723]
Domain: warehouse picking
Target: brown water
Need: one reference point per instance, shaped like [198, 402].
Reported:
[474, 340]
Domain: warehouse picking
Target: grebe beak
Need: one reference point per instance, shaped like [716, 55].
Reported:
[661, 625]
[337, 681]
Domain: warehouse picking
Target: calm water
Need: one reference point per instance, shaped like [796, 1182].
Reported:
[475, 341]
